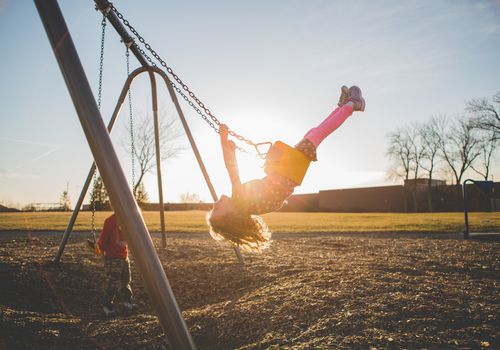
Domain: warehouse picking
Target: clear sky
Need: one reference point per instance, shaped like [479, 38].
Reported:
[269, 69]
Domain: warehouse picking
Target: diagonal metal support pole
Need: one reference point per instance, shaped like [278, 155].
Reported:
[122, 199]
[154, 101]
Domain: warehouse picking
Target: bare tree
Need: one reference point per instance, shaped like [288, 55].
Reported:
[64, 201]
[487, 147]
[144, 145]
[458, 145]
[417, 155]
[189, 197]
[400, 152]
[485, 113]
[429, 139]
[29, 207]
[141, 195]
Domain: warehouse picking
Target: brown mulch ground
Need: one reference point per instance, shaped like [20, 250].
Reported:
[363, 291]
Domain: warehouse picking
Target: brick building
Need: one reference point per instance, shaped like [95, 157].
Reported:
[414, 196]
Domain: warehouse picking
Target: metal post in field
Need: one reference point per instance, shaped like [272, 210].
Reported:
[466, 209]
[154, 101]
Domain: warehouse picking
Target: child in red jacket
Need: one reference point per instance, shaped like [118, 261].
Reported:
[113, 247]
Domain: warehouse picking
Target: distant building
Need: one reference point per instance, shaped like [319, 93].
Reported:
[414, 196]
[425, 182]
[371, 199]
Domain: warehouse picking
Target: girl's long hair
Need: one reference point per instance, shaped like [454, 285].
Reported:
[249, 232]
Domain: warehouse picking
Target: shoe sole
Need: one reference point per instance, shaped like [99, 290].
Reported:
[344, 92]
[359, 97]
[363, 104]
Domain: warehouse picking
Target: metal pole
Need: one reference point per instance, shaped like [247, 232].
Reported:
[103, 6]
[192, 142]
[86, 185]
[466, 208]
[122, 199]
[158, 157]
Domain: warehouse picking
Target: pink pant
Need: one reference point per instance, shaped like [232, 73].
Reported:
[335, 119]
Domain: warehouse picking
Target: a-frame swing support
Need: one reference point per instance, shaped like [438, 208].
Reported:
[151, 70]
[122, 199]
[85, 187]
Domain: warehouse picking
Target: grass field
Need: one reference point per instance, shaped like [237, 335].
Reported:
[194, 222]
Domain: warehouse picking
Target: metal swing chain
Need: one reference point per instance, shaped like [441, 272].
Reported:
[99, 98]
[213, 122]
[101, 61]
[131, 122]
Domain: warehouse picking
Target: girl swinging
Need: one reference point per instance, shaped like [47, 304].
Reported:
[236, 219]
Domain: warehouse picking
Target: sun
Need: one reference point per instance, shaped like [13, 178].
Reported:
[250, 166]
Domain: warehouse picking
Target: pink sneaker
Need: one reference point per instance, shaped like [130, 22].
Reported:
[356, 98]
[344, 96]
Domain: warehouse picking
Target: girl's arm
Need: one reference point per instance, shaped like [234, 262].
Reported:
[228, 150]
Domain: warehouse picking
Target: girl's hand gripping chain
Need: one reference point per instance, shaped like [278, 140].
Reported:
[228, 150]
[224, 137]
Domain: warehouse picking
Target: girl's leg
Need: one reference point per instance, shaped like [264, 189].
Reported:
[112, 281]
[355, 102]
[330, 124]
[125, 279]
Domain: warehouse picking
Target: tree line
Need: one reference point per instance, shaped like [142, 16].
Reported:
[447, 147]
